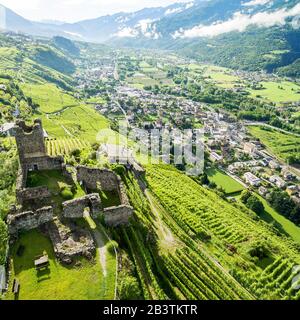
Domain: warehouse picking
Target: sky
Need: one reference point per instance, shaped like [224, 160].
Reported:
[76, 10]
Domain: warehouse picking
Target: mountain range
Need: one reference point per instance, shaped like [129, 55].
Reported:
[249, 34]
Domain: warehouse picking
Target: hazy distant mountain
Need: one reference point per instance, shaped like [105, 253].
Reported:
[96, 30]
[55, 22]
[249, 34]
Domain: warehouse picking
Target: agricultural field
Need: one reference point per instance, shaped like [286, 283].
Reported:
[278, 92]
[227, 233]
[220, 76]
[224, 181]
[64, 146]
[58, 282]
[139, 80]
[280, 144]
[75, 122]
[50, 98]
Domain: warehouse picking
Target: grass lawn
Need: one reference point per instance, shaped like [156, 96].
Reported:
[48, 96]
[110, 198]
[83, 281]
[278, 92]
[223, 180]
[55, 181]
[280, 144]
[99, 100]
[286, 225]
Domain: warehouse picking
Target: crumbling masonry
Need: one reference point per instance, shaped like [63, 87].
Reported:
[34, 207]
[107, 180]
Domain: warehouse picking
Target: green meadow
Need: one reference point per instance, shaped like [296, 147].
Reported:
[50, 98]
[224, 181]
[278, 92]
[83, 280]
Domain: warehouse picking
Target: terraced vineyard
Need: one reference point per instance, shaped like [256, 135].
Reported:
[221, 240]
[182, 271]
[64, 146]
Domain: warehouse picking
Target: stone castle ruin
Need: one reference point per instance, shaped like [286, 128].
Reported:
[35, 207]
[107, 180]
[32, 149]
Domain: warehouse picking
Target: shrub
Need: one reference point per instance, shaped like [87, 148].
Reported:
[3, 241]
[111, 246]
[75, 153]
[95, 146]
[32, 179]
[246, 194]
[119, 169]
[66, 194]
[255, 205]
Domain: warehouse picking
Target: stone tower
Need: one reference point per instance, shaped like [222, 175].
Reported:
[30, 143]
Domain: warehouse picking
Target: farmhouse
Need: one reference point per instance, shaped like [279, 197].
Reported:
[252, 179]
[249, 148]
[214, 157]
[280, 183]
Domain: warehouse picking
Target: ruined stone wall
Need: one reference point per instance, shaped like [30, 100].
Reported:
[91, 177]
[32, 193]
[21, 179]
[75, 208]
[43, 163]
[122, 193]
[70, 241]
[119, 215]
[29, 220]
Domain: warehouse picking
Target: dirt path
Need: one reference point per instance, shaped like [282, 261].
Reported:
[101, 250]
[164, 230]
[100, 241]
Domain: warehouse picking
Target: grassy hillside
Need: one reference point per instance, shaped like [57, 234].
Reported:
[49, 97]
[27, 61]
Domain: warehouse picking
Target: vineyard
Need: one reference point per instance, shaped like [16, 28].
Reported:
[184, 273]
[64, 146]
[222, 243]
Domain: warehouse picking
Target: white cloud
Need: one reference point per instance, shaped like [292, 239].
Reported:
[127, 33]
[144, 27]
[253, 3]
[240, 22]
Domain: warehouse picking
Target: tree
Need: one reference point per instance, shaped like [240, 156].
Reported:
[246, 194]
[255, 205]
[3, 241]
[203, 179]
